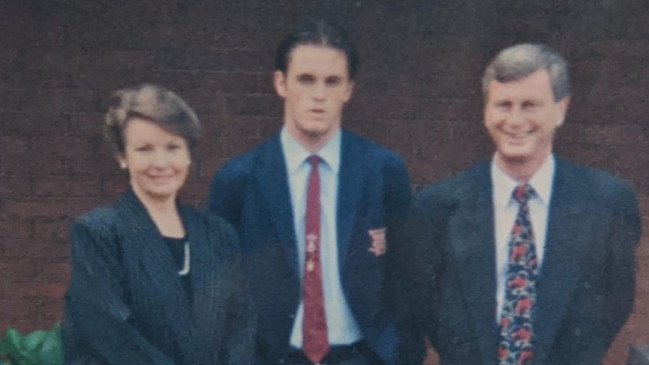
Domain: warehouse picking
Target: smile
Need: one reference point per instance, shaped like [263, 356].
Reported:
[519, 135]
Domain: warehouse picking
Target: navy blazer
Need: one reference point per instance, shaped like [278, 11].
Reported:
[252, 192]
[586, 283]
[125, 303]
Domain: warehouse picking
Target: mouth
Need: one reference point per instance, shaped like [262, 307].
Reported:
[161, 178]
[517, 136]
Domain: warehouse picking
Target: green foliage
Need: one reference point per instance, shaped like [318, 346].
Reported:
[35, 348]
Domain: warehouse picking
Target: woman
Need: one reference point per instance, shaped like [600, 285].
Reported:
[154, 281]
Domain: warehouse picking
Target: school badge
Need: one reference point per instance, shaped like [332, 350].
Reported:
[379, 245]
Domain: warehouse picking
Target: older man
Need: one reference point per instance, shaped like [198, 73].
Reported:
[527, 258]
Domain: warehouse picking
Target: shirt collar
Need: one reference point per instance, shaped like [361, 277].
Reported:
[503, 185]
[295, 154]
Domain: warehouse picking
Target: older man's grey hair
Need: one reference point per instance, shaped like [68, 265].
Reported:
[522, 60]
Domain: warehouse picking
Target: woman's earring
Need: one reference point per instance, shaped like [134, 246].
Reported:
[122, 165]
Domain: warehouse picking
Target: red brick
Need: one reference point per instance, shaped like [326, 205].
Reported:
[47, 164]
[249, 60]
[16, 186]
[14, 144]
[261, 105]
[84, 124]
[36, 208]
[51, 229]
[22, 249]
[81, 205]
[54, 272]
[17, 309]
[52, 310]
[17, 270]
[190, 59]
[382, 108]
[35, 290]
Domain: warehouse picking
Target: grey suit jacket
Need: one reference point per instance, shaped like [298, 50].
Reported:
[125, 303]
[586, 284]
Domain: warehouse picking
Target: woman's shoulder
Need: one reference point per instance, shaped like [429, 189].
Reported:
[99, 218]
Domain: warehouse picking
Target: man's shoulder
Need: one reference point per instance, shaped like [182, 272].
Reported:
[588, 178]
[369, 148]
[244, 162]
[469, 178]
[454, 188]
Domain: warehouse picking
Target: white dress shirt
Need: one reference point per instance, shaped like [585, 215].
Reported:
[505, 211]
[342, 329]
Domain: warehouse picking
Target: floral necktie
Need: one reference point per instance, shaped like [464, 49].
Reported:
[516, 329]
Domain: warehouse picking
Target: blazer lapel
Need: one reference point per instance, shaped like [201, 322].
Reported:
[350, 189]
[569, 222]
[472, 231]
[273, 183]
[143, 243]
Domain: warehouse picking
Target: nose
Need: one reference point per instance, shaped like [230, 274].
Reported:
[319, 91]
[160, 159]
[516, 116]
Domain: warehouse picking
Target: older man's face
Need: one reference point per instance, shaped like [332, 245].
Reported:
[522, 117]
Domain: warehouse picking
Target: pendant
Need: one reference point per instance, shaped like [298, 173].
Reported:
[310, 265]
[186, 263]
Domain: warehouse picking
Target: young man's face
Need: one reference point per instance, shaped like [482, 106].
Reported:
[315, 88]
[522, 117]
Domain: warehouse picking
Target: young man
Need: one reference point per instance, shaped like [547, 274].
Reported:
[312, 205]
[527, 258]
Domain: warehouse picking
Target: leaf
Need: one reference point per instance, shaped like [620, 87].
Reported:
[36, 348]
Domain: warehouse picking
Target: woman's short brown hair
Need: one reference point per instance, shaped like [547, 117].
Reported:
[156, 104]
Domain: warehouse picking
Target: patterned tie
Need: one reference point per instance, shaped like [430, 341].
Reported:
[520, 288]
[314, 328]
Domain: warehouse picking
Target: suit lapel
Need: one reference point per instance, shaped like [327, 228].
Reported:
[350, 178]
[569, 222]
[472, 231]
[273, 184]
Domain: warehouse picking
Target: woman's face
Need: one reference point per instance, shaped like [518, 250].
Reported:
[157, 160]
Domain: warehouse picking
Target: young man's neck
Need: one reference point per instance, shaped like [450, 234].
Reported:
[312, 142]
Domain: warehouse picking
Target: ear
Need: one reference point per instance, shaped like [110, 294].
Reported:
[279, 80]
[121, 160]
[350, 90]
[562, 109]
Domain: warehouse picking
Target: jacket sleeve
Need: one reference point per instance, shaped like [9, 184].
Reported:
[240, 321]
[412, 267]
[622, 240]
[226, 193]
[396, 190]
[98, 328]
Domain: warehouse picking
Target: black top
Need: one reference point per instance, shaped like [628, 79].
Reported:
[177, 248]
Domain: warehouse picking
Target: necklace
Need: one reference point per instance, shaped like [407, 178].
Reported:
[186, 263]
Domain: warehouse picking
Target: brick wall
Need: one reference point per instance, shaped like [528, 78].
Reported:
[418, 93]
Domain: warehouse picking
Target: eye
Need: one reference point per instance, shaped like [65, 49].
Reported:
[529, 105]
[333, 81]
[305, 79]
[144, 148]
[503, 105]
